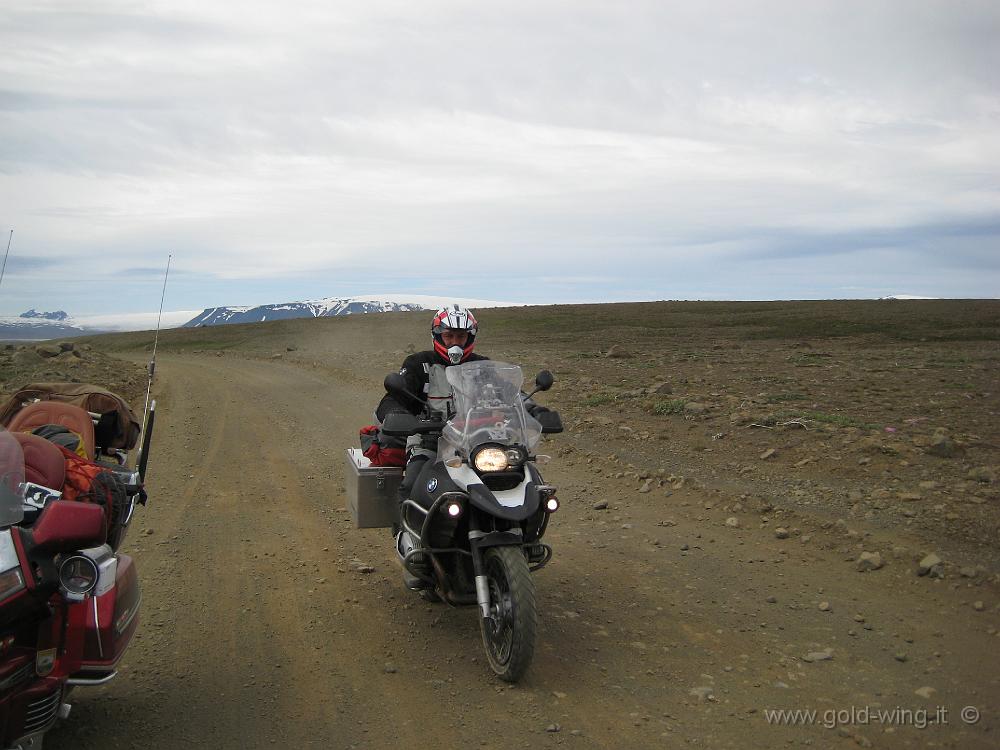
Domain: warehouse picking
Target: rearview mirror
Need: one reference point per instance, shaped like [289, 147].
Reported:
[543, 380]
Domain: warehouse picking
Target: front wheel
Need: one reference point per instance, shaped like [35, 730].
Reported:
[509, 631]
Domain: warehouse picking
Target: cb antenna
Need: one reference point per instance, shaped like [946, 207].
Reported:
[4, 269]
[152, 362]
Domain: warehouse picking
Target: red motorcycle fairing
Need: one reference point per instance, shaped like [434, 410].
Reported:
[110, 620]
[30, 709]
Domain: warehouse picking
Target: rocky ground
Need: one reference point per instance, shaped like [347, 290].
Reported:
[69, 362]
[765, 507]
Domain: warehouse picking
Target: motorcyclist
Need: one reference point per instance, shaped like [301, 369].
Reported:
[453, 332]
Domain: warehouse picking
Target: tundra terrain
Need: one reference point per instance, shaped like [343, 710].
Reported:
[765, 507]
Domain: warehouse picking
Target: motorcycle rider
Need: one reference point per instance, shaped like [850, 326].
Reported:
[453, 333]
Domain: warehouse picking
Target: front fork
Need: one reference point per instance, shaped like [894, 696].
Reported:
[479, 541]
[482, 584]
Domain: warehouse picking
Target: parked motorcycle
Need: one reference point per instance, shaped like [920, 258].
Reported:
[471, 530]
[69, 602]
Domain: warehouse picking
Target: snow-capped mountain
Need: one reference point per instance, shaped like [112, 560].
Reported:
[328, 307]
[58, 315]
[36, 326]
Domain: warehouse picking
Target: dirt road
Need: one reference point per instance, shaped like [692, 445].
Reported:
[661, 625]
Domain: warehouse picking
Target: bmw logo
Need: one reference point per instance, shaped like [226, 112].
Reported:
[432, 485]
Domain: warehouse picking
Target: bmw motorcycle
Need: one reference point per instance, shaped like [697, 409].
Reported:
[69, 602]
[471, 530]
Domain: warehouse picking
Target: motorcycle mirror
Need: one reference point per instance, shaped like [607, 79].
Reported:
[66, 525]
[544, 380]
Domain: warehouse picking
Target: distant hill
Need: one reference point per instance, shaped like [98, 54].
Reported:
[35, 326]
[325, 308]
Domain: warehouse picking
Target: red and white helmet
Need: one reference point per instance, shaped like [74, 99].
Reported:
[456, 318]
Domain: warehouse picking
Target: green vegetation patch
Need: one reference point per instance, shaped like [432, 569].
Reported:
[669, 406]
[778, 398]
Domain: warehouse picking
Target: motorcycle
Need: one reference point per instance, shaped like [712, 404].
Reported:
[69, 601]
[471, 530]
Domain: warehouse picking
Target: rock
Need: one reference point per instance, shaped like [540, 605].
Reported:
[66, 346]
[148, 532]
[910, 497]
[983, 474]
[869, 561]
[978, 606]
[646, 486]
[900, 656]
[769, 453]
[772, 600]
[781, 533]
[601, 505]
[943, 446]
[824, 606]
[812, 656]
[694, 407]
[390, 668]
[733, 522]
[925, 692]
[48, 350]
[553, 728]
[930, 564]
[617, 351]
[660, 388]
[702, 693]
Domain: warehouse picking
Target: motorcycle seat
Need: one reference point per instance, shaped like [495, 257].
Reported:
[43, 462]
[70, 416]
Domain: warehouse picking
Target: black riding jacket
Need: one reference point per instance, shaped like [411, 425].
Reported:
[416, 370]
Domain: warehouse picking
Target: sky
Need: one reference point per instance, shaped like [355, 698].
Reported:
[538, 152]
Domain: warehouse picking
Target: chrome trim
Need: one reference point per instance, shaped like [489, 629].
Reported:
[87, 682]
[131, 509]
[42, 712]
[97, 625]
[77, 596]
[26, 672]
[483, 595]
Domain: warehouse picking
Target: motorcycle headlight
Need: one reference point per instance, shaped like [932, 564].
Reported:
[78, 576]
[490, 458]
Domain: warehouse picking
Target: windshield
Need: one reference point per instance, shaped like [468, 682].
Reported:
[11, 479]
[488, 407]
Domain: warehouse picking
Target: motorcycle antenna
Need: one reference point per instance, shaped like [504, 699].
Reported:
[4, 269]
[152, 362]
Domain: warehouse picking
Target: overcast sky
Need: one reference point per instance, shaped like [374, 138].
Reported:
[531, 151]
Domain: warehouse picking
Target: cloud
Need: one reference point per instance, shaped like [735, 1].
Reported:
[262, 145]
